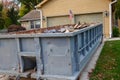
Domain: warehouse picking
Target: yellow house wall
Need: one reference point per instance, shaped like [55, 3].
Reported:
[62, 7]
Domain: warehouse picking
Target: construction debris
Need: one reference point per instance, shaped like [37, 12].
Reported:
[3, 77]
[14, 28]
[56, 29]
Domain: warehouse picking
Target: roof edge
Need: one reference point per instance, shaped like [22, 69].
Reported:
[21, 20]
[40, 4]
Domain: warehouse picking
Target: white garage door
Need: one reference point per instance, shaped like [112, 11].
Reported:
[89, 18]
[61, 20]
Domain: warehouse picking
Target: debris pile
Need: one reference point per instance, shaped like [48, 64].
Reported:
[55, 29]
[79, 26]
[14, 28]
[3, 77]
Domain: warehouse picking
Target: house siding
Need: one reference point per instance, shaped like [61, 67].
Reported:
[61, 8]
[61, 20]
[26, 24]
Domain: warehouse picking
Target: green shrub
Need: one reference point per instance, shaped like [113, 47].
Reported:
[2, 22]
[115, 32]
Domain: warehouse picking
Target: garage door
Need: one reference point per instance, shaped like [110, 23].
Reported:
[89, 18]
[61, 20]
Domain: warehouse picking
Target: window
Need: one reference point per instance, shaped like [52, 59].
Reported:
[32, 24]
[35, 24]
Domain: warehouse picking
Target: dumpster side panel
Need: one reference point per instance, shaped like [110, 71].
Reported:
[57, 57]
[8, 54]
[27, 45]
[74, 47]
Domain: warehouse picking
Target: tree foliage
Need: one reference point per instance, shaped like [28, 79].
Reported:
[6, 18]
[2, 21]
[1, 7]
[27, 5]
[23, 10]
[117, 9]
[13, 15]
[30, 3]
[8, 14]
[115, 32]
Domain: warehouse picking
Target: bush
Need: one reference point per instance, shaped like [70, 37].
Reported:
[2, 22]
[115, 32]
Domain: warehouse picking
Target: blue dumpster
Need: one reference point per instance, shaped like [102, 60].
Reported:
[51, 56]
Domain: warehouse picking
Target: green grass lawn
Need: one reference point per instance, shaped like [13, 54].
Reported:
[108, 64]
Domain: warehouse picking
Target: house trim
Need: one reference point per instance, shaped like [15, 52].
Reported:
[29, 19]
[40, 5]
